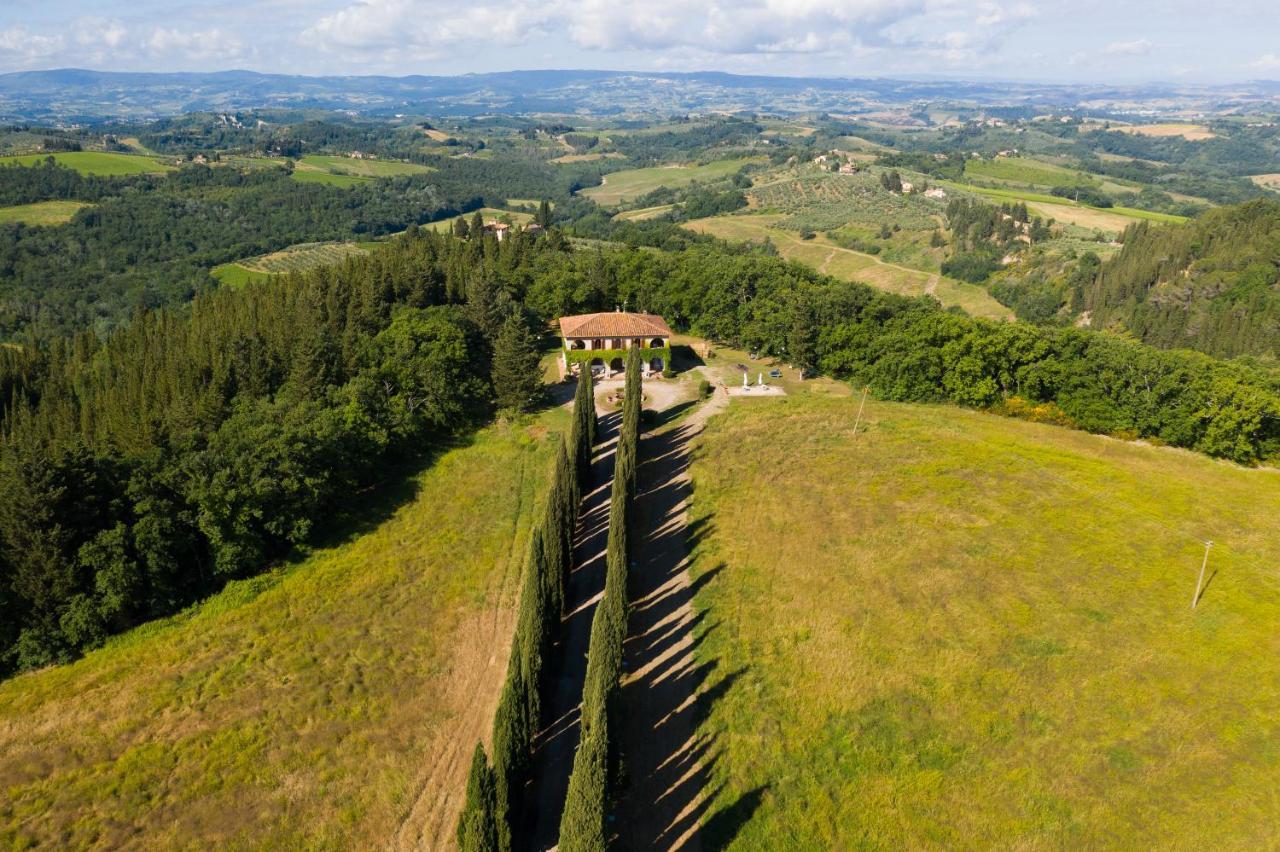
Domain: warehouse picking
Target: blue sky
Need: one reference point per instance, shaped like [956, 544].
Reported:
[1070, 40]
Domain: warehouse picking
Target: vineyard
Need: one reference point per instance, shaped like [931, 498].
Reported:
[822, 202]
[296, 258]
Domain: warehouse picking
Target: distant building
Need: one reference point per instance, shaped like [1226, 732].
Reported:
[498, 229]
[848, 169]
[935, 193]
[907, 186]
[602, 340]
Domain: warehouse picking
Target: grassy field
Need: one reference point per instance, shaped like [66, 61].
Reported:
[96, 163]
[1025, 170]
[295, 258]
[333, 703]
[956, 630]
[358, 168]
[1113, 219]
[1190, 132]
[831, 259]
[632, 183]
[41, 213]
[643, 213]
[590, 158]
[487, 213]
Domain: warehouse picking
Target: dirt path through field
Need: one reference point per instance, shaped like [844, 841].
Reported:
[667, 764]
[553, 757]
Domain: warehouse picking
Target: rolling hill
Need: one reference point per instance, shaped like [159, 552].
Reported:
[330, 703]
[949, 629]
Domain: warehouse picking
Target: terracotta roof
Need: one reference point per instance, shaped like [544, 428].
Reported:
[614, 324]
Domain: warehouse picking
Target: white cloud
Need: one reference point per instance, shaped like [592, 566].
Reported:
[949, 29]
[20, 46]
[1266, 62]
[1137, 47]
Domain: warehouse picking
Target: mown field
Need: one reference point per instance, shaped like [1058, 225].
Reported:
[41, 213]
[831, 259]
[1271, 181]
[957, 630]
[1112, 219]
[333, 703]
[633, 183]
[96, 162]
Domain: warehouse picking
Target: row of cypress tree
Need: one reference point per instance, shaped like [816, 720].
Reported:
[583, 825]
[495, 790]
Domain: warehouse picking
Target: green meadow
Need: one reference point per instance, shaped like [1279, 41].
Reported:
[96, 162]
[331, 703]
[41, 213]
[348, 171]
[950, 629]
[632, 183]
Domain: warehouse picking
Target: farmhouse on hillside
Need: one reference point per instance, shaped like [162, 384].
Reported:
[602, 340]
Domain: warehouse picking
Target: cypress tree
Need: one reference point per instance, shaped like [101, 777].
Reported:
[477, 827]
[582, 825]
[517, 379]
[510, 751]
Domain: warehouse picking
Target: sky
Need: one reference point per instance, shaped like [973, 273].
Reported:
[1066, 41]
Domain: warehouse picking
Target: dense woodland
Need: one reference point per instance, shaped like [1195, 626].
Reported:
[151, 241]
[1212, 284]
[143, 468]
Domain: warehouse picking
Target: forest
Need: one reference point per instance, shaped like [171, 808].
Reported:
[142, 468]
[151, 241]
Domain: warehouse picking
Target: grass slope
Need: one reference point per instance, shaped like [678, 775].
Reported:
[633, 183]
[956, 630]
[41, 213]
[95, 162]
[831, 259]
[307, 708]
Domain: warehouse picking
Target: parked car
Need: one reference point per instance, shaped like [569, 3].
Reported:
[775, 374]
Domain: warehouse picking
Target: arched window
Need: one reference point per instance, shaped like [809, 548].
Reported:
[657, 343]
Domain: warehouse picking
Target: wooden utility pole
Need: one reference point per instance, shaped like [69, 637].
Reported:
[857, 420]
[1200, 582]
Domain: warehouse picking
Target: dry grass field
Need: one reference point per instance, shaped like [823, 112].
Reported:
[1271, 181]
[1190, 132]
[331, 704]
[831, 259]
[956, 630]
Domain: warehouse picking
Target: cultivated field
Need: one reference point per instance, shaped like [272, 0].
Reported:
[821, 201]
[297, 258]
[831, 259]
[96, 163]
[632, 183]
[331, 704]
[644, 213]
[41, 213]
[590, 158]
[1271, 181]
[956, 630]
[1190, 132]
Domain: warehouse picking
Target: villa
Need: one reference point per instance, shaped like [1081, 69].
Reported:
[602, 340]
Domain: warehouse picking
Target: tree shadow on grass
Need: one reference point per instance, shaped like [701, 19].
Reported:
[723, 826]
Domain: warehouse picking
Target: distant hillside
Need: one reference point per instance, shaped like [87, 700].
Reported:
[80, 95]
[1212, 285]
